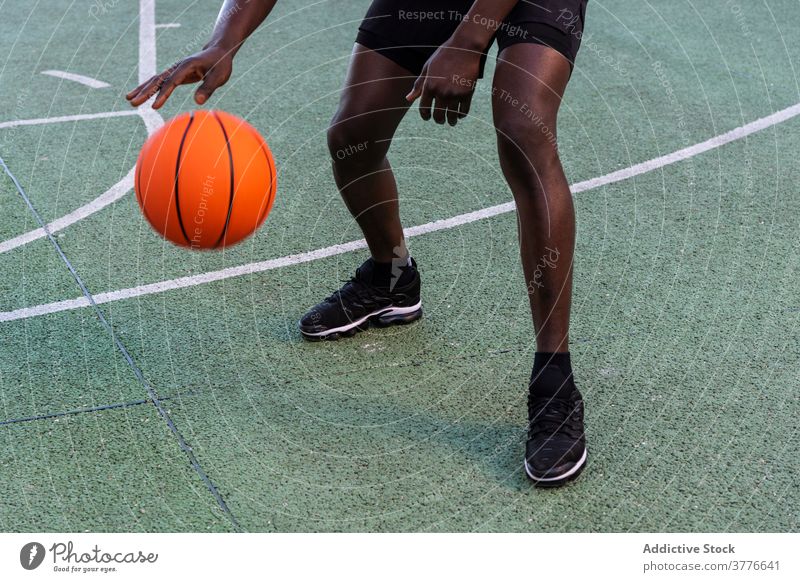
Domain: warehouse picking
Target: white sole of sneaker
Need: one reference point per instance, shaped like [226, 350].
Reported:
[565, 477]
[386, 314]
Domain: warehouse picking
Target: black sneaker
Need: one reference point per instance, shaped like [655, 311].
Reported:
[358, 303]
[556, 449]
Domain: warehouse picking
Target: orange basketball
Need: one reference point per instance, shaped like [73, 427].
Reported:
[205, 180]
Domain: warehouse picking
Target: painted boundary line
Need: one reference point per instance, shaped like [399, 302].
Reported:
[111, 195]
[152, 121]
[444, 224]
[82, 79]
[67, 118]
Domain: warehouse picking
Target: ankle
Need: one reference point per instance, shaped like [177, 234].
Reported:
[562, 360]
[552, 375]
[389, 274]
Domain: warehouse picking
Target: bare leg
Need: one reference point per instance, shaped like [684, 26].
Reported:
[371, 107]
[528, 86]
[383, 292]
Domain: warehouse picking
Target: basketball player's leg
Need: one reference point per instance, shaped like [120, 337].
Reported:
[389, 55]
[530, 79]
[529, 83]
[386, 288]
[391, 50]
[372, 105]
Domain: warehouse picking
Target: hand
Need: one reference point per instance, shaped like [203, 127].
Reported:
[446, 84]
[212, 65]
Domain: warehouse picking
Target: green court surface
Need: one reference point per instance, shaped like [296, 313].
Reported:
[686, 302]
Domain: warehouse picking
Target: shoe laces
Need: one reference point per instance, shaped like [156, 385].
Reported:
[354, 289]
[550, 416]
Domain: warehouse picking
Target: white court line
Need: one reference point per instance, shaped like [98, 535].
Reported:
[147, 40]
[169, 25]
[151, 118]
[68, 118]
[461, 219]
[110, 196]
[82, 79]
[152, 121]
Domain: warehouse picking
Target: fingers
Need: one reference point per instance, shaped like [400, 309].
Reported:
[449, 109]
[463, 107]
[425, 104]
[164, 84]
[453, 113]
[133, 93]
[144, 91]
[416, 91]
[185, 73]
[441, 104]
[419, 84]
[213, 79]
[440, 110]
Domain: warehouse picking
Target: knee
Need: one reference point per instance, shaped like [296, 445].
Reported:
[351, 142]
[527, 143]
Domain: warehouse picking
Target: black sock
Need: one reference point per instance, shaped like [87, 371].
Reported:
[552, 374]
[560, 359]
[381, 275]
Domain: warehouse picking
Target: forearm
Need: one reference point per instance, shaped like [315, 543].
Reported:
[481, 22]
[237, 20]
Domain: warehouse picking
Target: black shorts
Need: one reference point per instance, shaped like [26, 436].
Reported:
[409, 31]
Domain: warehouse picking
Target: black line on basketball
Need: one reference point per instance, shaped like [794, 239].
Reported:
[230, 160]
[177, 173]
